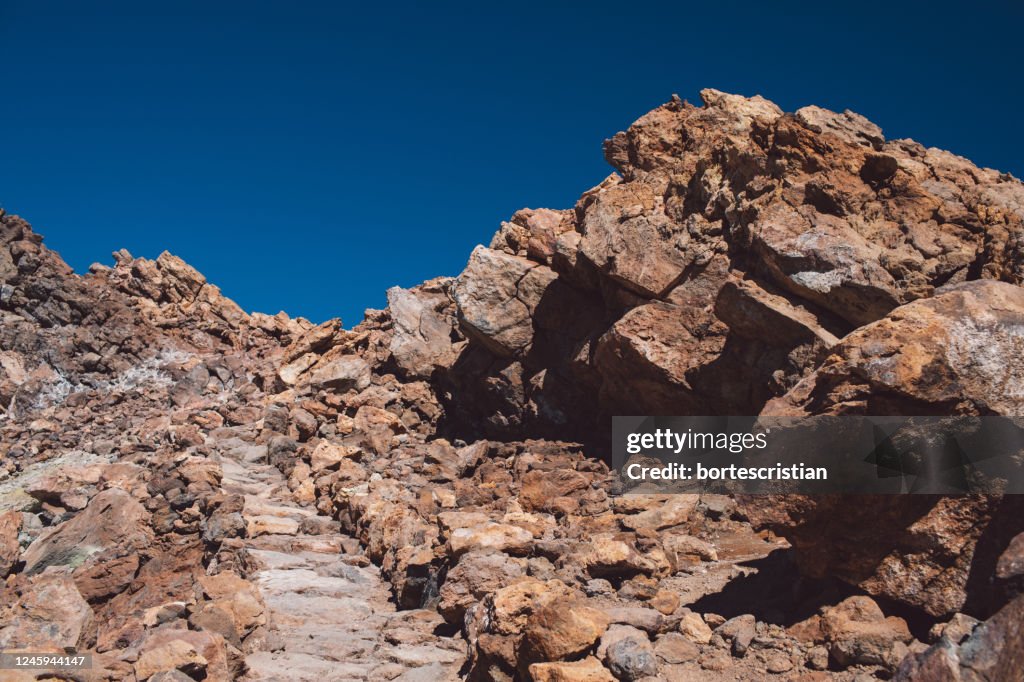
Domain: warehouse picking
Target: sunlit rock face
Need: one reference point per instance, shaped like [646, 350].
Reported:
[191, 491]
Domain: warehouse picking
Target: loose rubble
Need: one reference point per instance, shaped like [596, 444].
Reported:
[188, 491]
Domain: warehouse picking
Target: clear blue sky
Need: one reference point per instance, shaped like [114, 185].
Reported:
[305, 155]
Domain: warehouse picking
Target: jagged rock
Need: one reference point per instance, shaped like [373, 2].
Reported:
[10, 548]
[959, 628]
[100, 545]
[738, 632]
[608, 557]
[649, 355]
[51, 614]
[674, 511]
[238, 599]
[499, 536]
[291, 372]
[858, 632]
[587, 670]
[497, 295]
[228, 491]
[342, 374]
[559, 630]
[628, 237]
[685, 550]
[958, 352]
[1011, 562]
[675, 648]
[195, 653]
[752, 312]
[421, 341]
[694, 629]
[476, 574]
[328, 455]
[993, 651]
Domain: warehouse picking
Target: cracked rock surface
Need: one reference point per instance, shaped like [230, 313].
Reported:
[190, 491]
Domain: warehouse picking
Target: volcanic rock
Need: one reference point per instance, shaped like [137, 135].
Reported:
[206, 492]
[587, 670]
[858, 632]
[52, 614]
[100, 545]
[10, 549]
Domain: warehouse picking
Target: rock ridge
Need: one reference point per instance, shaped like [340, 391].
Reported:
[189, 491]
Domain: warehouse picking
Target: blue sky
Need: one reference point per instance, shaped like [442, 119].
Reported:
[305, 156]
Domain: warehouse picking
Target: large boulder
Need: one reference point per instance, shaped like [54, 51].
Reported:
[629, 238]
[497, 295]
[857, 632]
[961, 352]
[421, 340]
[52, 613]
[101, 545]
[994, 650]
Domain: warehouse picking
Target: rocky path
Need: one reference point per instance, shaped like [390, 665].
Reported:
[330, 615]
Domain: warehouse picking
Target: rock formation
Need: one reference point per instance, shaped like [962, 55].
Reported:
[188, 491]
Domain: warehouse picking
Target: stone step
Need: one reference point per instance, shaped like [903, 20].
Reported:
[257, 506]
[333, 544]
[330, 614]
[266, 666]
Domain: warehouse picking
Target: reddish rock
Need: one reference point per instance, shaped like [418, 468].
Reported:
[857, 631]
[10, 549]
[100, 545]
[51, 613]
[497, 296]
[561, 630]
[587, 670]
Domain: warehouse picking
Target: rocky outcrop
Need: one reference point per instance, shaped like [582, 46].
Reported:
[188, 490]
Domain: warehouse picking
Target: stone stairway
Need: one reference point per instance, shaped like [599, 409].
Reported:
[330, 614]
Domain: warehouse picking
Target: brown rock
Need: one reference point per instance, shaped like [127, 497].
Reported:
[650, 355]
[561, 630]
[476, 574]
[239, 599]
[496, 296]
[628, 238]
[176, 654]
[421, 342]
[499, 536]
[857, 632]
[675, 648]
[608, 557]
[665, 602]
[686, 550]
[993, 651]
[51, 614]
[196, 653]
[1011, 562]
[587, 670]
[10, 549]
[100, 545]
[674, 511]
[694, 629]
[541, 488]
[328, 455]
[510, 607]
[956, 351]
[342, 374]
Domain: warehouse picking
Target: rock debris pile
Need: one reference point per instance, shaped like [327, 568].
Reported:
[191, 492]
